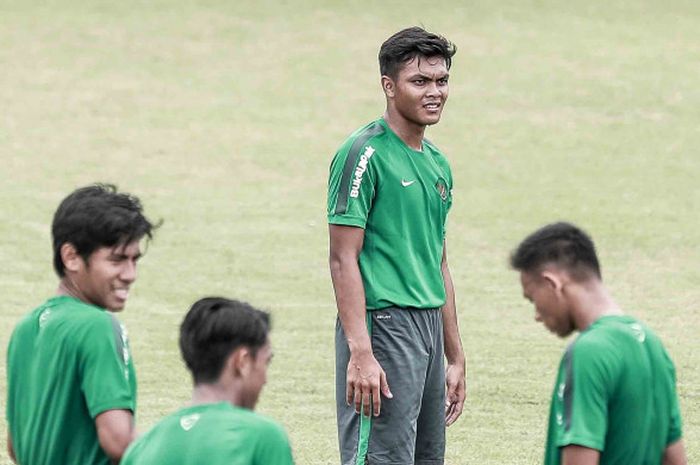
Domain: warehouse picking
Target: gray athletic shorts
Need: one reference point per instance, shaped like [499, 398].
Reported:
[408, 344]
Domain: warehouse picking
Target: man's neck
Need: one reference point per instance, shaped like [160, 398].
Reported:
[590, 302]
[67, 287]
[410, 133]
[214, 393]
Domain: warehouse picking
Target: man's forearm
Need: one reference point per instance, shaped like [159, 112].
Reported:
[115, 431]
[579, 455]
[675, 454]
[453, 343]
[350, 299]
[456, 370]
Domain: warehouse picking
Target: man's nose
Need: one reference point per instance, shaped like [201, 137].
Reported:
[128, 273]
[433, 88]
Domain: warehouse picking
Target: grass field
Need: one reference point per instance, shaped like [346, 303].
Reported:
[223, 118]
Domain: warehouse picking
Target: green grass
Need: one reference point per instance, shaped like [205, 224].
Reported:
[223, 117]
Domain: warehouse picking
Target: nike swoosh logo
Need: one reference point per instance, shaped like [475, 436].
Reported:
[406, 183]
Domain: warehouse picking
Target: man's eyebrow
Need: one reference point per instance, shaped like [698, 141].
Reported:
[420, 75]
[122, 255]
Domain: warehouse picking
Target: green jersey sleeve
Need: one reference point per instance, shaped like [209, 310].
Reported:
[107, 377]
[351, 186]
[273, 447]
[584, 394]
[675, 430]
[450, 187]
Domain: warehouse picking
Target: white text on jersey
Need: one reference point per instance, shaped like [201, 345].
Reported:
[360, 171]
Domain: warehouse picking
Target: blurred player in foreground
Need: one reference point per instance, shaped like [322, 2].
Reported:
[614, 401]
[71, 382]
[225, 346]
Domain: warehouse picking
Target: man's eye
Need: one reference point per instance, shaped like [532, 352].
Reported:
[419, 82]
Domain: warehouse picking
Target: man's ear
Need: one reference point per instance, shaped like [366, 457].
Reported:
[553, 280]
[72, 261]
[388, 86]
[239, 362]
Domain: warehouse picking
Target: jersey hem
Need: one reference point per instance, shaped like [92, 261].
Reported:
[399, 307]
[347, 221]
[674, 438]
[589, 442]
[106, 407]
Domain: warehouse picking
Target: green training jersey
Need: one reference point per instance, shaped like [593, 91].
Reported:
[67, 362]
[400, 197]
[215, 434]
[615, 392]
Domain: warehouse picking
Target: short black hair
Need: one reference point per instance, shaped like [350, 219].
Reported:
[213, 328]
[97, 216]
[408, 43]
[560, 243]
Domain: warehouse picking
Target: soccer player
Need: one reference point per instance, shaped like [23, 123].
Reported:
[389, 193]
[614, 401]
[71, 383]
[225, 345]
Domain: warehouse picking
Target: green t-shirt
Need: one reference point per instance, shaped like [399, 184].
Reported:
[400, 197]
[67, 361]
[215, 434]
[615, 392]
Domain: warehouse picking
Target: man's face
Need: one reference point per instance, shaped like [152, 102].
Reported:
[550, 306]
[420, 90]
[105, 278]
[256, 376]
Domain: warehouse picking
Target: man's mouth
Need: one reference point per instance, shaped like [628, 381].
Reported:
[122, 293]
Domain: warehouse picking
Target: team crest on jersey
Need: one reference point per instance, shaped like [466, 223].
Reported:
[442, 189]
[44, 317]
[638, 332]
[188, 421]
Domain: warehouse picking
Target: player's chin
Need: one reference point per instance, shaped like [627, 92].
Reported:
[431, 117]
[116, 305]
[563, 332]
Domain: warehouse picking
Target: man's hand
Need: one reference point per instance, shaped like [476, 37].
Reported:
[456, 392]
[366, 381]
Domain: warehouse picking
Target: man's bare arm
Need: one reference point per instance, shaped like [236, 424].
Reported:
[455, 373]
[579, 455]
[675, 454]
[115, 431]
[365, 377]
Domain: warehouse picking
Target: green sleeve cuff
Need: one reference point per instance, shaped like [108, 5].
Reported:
[344, 220]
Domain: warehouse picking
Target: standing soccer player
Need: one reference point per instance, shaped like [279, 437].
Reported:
[225, 345]
[389, 193]
[71, 383]
[614, 401]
